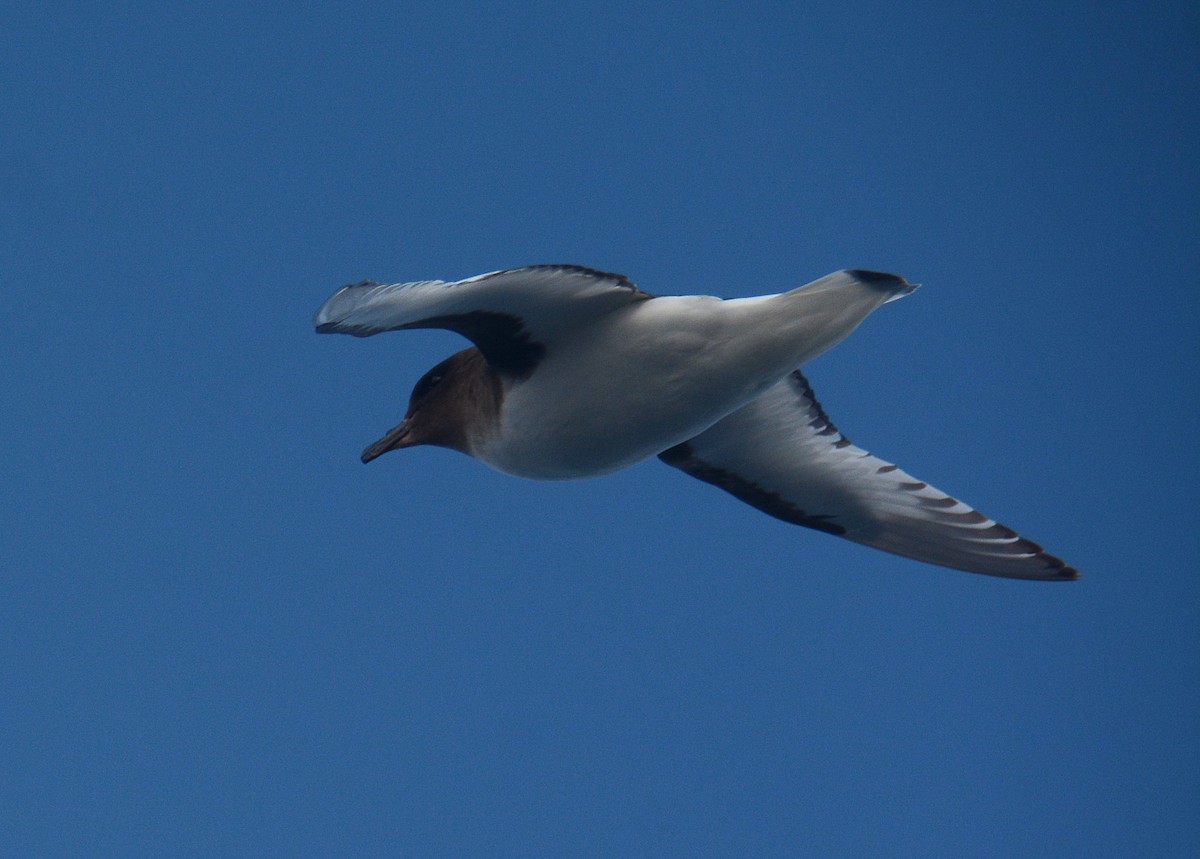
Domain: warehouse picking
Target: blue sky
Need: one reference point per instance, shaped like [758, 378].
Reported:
[222, 635]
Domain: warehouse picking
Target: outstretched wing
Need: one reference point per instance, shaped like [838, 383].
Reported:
[781, 454]
[510, 315]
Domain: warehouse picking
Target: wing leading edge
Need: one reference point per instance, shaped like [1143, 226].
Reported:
[511, 315]
[782, 454]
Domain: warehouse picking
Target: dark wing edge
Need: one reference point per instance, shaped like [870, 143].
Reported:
[508, 314]
[782, 455]
[618, 280]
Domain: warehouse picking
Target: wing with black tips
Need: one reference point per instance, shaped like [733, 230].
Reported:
[782, 454]
[511, 315]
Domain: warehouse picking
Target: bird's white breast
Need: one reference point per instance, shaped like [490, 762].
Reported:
[633, 384]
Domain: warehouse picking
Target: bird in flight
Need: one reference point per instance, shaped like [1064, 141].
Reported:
[576, 372]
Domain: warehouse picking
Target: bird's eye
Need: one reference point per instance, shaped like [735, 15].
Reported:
[427, 384]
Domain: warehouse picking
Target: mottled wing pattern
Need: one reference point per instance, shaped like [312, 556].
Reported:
[782, 454]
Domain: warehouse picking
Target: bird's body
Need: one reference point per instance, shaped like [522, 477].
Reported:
[656, 374]
[577, 373]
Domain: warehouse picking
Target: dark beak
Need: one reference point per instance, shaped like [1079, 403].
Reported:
[397, 437]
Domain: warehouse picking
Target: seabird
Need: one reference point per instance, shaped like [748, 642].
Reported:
[576, 372]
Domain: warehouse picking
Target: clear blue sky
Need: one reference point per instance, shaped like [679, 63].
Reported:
[220, 634]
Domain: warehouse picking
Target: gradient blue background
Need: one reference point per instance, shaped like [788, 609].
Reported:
[222, 635]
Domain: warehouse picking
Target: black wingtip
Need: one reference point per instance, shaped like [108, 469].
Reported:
[892, 285]
[877, 278]
[1057, 569]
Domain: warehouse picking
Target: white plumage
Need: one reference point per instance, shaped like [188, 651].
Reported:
[577, 373]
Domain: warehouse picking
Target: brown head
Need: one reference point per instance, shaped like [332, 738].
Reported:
[456, 401]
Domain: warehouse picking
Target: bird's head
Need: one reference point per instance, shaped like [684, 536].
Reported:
[451, 404]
